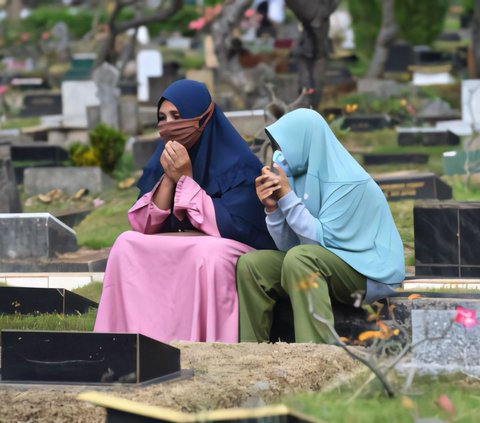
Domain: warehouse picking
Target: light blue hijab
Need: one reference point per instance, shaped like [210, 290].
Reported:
[353, 217]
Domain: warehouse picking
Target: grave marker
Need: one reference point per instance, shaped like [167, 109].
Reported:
[447, 239]
[443, 346]
[426, 137]
[149, 64]
[365, 122]
[86, 357]
[382, 159]
[408, 185]
[9, 196]
[41, 105]
[34, 235]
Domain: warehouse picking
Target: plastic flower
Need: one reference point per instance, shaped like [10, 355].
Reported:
[350, 108]
[446, 404]
[249, 13]
[466, 317]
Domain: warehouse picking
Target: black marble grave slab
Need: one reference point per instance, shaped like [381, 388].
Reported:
[410, 185]
[38, 152]
[20, 300]
[399, 58]
[426, 137]
[34, 235]
[85, 357]
[41, 105]
[365, 123]
[447, 239]
[382, 159]
[121, 410]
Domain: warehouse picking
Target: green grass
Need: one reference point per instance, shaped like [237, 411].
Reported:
[49, 322]
[337, 406]
[92, 291]
[101, 227]
[55, 321]
[17, 123]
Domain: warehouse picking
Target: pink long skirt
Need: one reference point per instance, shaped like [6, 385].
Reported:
[171, 287]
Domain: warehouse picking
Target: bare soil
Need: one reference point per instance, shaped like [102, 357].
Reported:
[225, 376]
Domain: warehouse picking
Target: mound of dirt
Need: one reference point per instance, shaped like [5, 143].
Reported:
[226, 375]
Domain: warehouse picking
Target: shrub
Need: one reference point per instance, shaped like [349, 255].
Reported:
[83, 155]
[108, 145]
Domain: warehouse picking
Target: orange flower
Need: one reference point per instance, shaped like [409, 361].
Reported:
[414, 297]
[350, 108]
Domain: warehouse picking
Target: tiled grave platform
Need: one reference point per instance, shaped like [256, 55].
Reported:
[83, 261]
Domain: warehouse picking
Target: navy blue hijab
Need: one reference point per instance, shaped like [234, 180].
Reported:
[223, 166]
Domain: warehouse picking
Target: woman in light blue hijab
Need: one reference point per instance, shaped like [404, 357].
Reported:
[332, 225]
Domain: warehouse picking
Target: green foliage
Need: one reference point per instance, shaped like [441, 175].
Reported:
[468, 6]
[124, 167]
[79, 21]
[421, 22]
[366, 21]
[83, 155]
[108, 145]
[178, 22]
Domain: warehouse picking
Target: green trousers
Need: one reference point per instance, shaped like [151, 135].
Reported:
[264, 276]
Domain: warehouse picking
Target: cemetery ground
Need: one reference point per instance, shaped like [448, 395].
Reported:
[319, 380]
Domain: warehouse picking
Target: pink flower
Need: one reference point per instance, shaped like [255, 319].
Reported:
[446, 404]
[24, 36]
[249, 13]
[466, 317]
[45, 35]
[197, 24]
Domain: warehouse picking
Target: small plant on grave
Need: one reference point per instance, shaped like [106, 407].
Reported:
[83, 155]
[108, 145]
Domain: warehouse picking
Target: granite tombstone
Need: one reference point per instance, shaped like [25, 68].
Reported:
[447, 239]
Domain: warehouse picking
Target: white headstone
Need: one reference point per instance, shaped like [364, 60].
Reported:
[143, 36]
[424, 78]
[149, 63]
[76, 97]
[470, 110]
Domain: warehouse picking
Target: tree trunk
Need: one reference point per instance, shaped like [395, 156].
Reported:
[164, 12]
[14, 8]
[312, 49]
[476, 38]
[222, 27]
[386, 37]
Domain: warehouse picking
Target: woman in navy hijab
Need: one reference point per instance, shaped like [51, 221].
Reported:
[172, 277]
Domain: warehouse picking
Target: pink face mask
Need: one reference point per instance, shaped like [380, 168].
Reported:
[185, 131]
